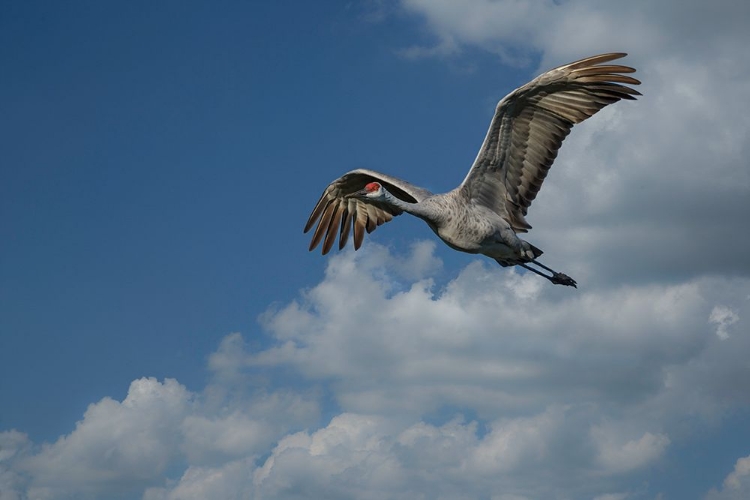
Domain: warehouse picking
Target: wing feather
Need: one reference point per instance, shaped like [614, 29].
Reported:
[529, 127]
[346, 224]
[332, 227]
[325, 221]
[337, 213]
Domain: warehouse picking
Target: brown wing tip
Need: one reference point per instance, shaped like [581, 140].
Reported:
[597, 59]
[630, 96]
[320, 206]
[606, 78]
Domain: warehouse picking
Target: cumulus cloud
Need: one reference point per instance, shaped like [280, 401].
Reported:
[123, 447]
[736, 485]
[586, 383]
[365, 456]
[484, 385]
[517, 30]
[612, 496]
[235, 435]
[116, 445]
[491, 338]
[723, 317]
[493, 385]
[14, 446]
[617, 456]
[230, 480]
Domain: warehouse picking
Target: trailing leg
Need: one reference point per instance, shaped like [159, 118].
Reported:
[556, 278]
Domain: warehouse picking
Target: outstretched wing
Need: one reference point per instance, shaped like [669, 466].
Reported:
[335, 212]
[529, 126]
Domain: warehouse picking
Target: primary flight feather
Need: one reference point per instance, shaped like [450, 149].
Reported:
[485, 213]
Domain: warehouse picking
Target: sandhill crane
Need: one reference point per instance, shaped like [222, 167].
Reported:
[484, 214]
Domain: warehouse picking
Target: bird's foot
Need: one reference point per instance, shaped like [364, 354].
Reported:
[562, 279]
[555, 278]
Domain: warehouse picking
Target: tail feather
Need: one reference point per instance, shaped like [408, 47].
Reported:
[537, 252]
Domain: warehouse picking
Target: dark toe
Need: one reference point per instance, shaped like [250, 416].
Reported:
[563, 279]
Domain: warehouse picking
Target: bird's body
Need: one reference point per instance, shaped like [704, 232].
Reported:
[465, 226]
[484, 214]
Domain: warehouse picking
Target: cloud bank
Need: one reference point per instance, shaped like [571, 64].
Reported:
[492, 386]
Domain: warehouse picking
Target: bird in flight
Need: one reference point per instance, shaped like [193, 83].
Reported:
[485, 213]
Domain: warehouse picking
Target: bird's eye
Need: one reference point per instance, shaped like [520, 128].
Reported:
[373, 186]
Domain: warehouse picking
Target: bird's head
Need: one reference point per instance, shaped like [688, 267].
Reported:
[371, 191]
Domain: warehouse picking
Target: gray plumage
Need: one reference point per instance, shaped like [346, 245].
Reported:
[484, 214]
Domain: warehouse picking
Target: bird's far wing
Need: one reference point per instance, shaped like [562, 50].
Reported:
[529, 126]
[336, 213]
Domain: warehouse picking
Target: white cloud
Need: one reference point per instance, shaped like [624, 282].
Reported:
[236, 435]
[352, 448]
[723, 317]
[361, 456]
[478, 341]
[617, 456]
[612, 496]
[116, 446]
[123, 447]
[585, 383]
[516, 29]
[14, 446]
[736, 485]
[227, 481]
[740, 474]
[493, 385]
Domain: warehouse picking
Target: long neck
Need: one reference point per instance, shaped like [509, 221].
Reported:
[422, 210]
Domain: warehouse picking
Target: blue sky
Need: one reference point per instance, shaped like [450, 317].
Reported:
[164, 329]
